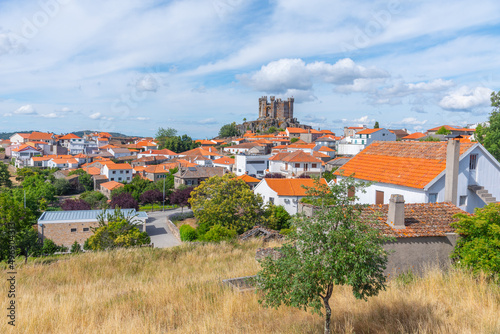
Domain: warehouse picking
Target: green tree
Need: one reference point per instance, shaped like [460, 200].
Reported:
[478, 247]
[376, 126]
[115, 231]
[443, 131]
[489, 136]
[226, 201]
[75, 247]
[166, 133]
[178, 144]
[95, 199]
[430, 138]
[5, 176]
[84, 178]
[276, 217]
[293, 140]
[334, 247]
[61, 187]
[218, 233]
[229, 130]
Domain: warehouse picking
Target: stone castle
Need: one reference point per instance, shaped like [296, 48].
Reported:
[276, 109]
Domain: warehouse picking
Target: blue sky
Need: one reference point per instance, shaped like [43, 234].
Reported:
[133, 66]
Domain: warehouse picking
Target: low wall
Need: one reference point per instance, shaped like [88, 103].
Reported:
[174, 229]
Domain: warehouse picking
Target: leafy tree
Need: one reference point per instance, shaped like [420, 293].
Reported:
[75, 204]
[95, 199]
[244, 119]
[293, 140]
[376, 126]
[181, 197]
[61, 187]
[124, 201]
[14, 215]
[229, 130]
[272, 129]
[166, 133]
[443, 131]
[276, 217]
[430, 138]
[479, 245]
[334, 247]
[218, 233]
[274, 176]
[489, 136]
[84, 179]
[329, 175]
[151, 196]
[227, 201]
[37, 185]
[50, 247]
[178, 143]
[118, 231]
[5, 176]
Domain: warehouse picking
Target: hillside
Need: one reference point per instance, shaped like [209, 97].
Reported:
[7, 135]
[178, 290]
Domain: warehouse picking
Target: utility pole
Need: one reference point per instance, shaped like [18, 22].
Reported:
[164, 177]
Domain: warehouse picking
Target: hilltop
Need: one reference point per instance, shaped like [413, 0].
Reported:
[179, 290]
[7, 135]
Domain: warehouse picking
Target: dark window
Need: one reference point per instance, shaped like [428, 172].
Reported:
[433, 198]
[73, 230]
[114, 172]
[271, 199]
[463, 200]
[379, 197]
[313, 166]
[473, 161]
[85, 229]
[297, 165]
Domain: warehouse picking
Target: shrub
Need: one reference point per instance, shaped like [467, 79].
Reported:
[49, 247]
[218, 233]
[75, 248]
[75, 204]
[62, 187]
[124, 201]
[187, 233]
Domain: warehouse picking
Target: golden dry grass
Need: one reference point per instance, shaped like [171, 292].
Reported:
[178, 290]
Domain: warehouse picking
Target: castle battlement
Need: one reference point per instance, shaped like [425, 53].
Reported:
[276, 108]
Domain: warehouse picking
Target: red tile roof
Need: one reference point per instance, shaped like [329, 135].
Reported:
[421, 220]
[367, 131]
[69, 136]
[224, 161]
[296, 130]
[35, 135]
[410, 164]
[118, 166]
[248, 179]
[297, 156]
[291, 187]
[416, 135]
[111, 185]
[326, 149]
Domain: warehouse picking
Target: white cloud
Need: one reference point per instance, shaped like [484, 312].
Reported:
[50, 115]
[284, 74]
[411, 121]
[7, 114]
[26, 110]
[142, 118]
[364, 120]
[147, 84]
[207, 121]
[466, 98]
[96, 115]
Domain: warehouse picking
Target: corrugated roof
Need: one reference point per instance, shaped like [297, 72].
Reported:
[83, 215]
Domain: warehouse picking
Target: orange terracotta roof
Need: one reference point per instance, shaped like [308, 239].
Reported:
[367, 131]
[185, 163]
[450, 128]
[102, 139]
[35, 135]
[320, 155]
[302, 146]
[112, 185]
[80, 155]
[104, 134]
[105, 147]
[60, 156]
[355, 127]
[421, 220]
[198, 151]
[23, 135]
[326, 149]
[205, 142]
[40, 158]
[160, 169]
[296, 130]
[160, 152]
[410, 164]
[119, 166]
[327, 131]
[297, 156]
[291, 187]
[224, 161]
[248, 179]
[92, 170]
[416, 135]
[69, 136]
[25, 147]
[65, 161]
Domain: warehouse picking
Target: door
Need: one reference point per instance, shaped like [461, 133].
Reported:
[473, 169]
[379, 197]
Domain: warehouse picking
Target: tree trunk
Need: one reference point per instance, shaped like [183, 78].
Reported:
[328, 316]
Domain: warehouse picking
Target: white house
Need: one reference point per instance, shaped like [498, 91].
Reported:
[251, 164]
[24, 153]
[80, 145]
[62, 163]
[465, 174]
[118, 172]
[244, 148]
[295, 164]
[367, 136]
[285, 192]
[19, 138]
[119, 152]
[225, 162]
[156, 153]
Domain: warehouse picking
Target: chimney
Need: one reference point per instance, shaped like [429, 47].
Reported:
[396, 214]
[451, 178]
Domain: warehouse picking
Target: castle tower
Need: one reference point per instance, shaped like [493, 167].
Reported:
[276, 108]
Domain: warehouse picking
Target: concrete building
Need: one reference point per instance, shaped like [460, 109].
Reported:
[295, 164]
[118, 172]
[367, 136]
[251, 164]
[193, 176]
[66, 227]
[464, 174]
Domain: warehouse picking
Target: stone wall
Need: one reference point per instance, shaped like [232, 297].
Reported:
[174, 229]
[61, 233]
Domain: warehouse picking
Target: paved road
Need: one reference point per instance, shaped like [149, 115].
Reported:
[158, 230]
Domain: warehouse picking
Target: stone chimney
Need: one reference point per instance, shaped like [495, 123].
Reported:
[396, 214]
[451, 178]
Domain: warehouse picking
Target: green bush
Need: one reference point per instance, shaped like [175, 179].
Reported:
[187, 233]
[287, 231]
[49, 247]
[218, 233]
[75, 248]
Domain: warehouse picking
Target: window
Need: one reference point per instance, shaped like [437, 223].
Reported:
[85, 229]
[73, 230]
[119, 179]
[379, 197]
[297, 165]
[473, 161]
[271, 199]
[128, 178]
[112, 179]
[433, 198]
[313, 166]
[114, 172]
[463, 200]
[121, 172]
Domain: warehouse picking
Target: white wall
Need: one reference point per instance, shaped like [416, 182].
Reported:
[251, 164]
[289, 203]
[349, 149]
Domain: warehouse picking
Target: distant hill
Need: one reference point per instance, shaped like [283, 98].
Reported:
[7, 135]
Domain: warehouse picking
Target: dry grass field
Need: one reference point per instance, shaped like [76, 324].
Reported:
[178, 290]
